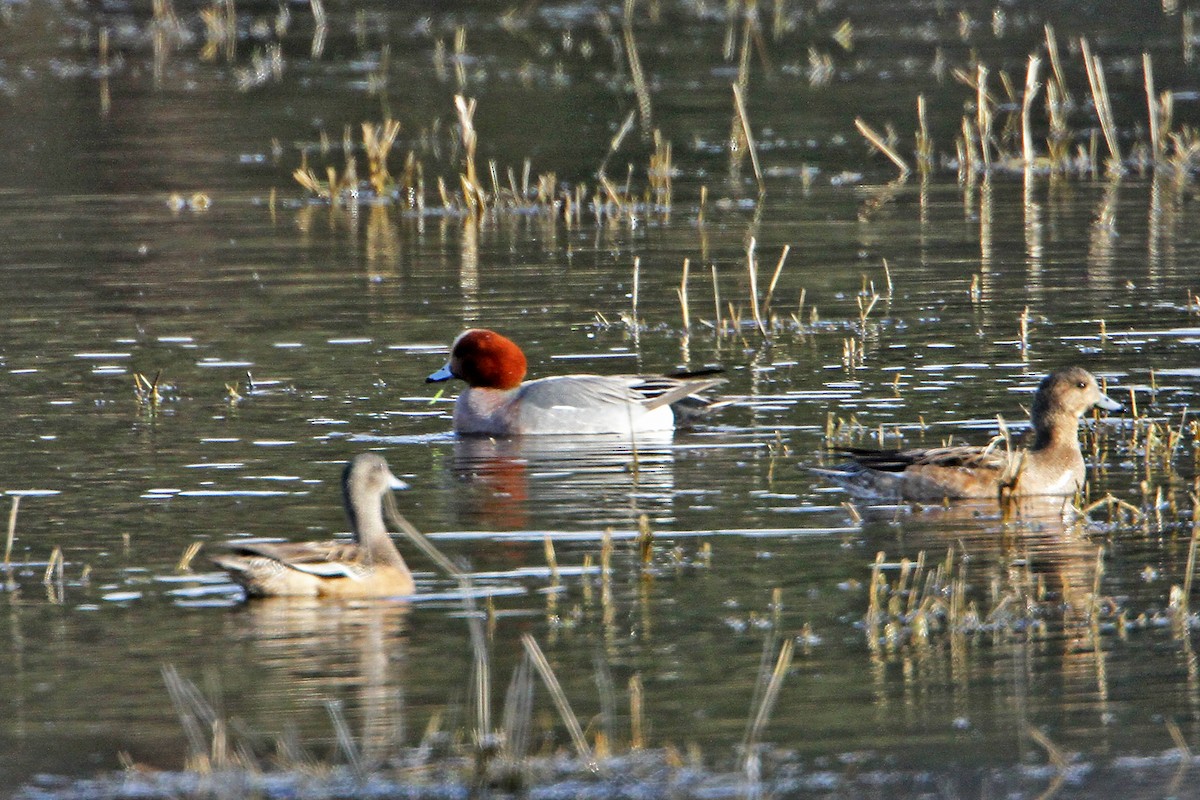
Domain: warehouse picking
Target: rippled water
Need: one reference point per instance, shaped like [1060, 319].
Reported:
[326, 320]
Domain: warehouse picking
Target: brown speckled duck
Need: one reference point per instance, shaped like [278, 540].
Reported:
[1053, 466]
[368, 566]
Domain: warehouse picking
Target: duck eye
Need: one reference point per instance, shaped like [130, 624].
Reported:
[1081, 385]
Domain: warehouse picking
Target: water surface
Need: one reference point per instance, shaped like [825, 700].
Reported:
[324, 321]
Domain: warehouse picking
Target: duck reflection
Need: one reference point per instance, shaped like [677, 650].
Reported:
[519, 482]
[350, 654]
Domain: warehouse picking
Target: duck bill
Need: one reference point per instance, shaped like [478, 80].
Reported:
[443, 374]
[1108, 404]
[396, 483]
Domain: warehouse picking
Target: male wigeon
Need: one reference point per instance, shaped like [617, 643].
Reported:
[496, 402]
[368, 566]
[1053, 466]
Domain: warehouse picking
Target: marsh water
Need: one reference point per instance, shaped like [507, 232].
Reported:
[150, 225]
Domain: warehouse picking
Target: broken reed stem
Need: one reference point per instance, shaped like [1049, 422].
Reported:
[615, 144]
[560, 698]
[882, 146]
[740, 105]
[54, 567]
[12, 530]
[766, 306]
[1152, 108]
[189, 555]
[1100, 97]
[683, 297]
[1031, 90]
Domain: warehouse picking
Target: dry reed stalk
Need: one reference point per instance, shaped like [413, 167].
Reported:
[12, 530]
[1056, 65]
[744, 120]
[766, 306]
[983, 116]
[637, 278]
[615, 144]
[1180, 742]
[345, 738]
[1191, 559]
[924, 141]
[613, 196]
[769, 696]
[717, 298]
[189, 555]
[645, 540]
[640, 87]
[752, 268]
[460, 57]
[560, 698]
[659, 172]
[970, 139]
[473, 193]
[683, 297]
[1031, 90]
[1156, 139]
[882, 146]
[1100, 97]
[481, 670]
[377, 143]
[105, 93]
[320, 27]
[54, 567]
[551, 557]
[637, 713]
[749, 29]
[518, 710]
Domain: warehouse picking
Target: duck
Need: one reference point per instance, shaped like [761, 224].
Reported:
[368, 566]
[498, 401]
[1053, 466]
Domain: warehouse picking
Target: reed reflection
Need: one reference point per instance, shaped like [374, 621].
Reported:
[1021, 579]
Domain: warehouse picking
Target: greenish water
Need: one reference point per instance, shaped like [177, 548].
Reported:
[337, 314]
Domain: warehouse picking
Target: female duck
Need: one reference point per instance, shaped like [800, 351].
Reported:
[496, 401]
[1053, 466]
[368, 566]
